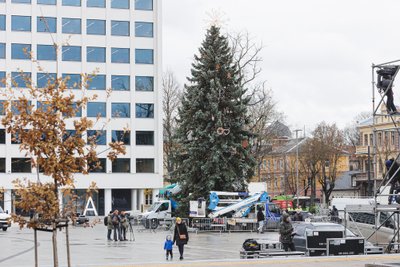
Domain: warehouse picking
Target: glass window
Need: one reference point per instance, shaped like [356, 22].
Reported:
[72, 81]
[71, 2]
[21, 1]
[98, 166]
[144, 83]
[143, 29]
[77, 111]
[2, 136]
[121, 110]
[121, 136]
[70, 25]
[71, 53]
[120, 55]
[144, 110]
[121, 165]
[145, 138]
[20, 79]
[96, 26]
[144, 56]
[46, 24]
[21, 165]
[122, 4]
[68, 134]
[120, 82]
[2, 22]
[2, 50]
[44, 106]
[95, 54]
[46, 52]
[144, 4]
[99, 137]
[16, 105]
[120, 28]
[2, 164]
[2, 110]
[96, 3]
[145, 165]
[95, 109]
[21, 23]
[47, 2]
[97, 82]
[20, 51]
[3, 79]
[43, 79]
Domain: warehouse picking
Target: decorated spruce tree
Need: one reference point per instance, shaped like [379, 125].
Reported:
[212, 134]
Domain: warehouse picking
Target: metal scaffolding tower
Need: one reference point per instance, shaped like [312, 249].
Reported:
[383, 76]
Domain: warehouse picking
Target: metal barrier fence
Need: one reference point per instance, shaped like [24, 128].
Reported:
[205, 224]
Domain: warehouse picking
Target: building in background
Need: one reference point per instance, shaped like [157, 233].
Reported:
[387, 146]
[121, 40]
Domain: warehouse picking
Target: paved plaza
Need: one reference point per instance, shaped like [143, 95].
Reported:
[89, 247]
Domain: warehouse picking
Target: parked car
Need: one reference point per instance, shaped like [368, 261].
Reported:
[81, 219]
[330, 230]
[5, 220]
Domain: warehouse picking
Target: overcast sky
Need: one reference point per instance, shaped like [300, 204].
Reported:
[317, 54]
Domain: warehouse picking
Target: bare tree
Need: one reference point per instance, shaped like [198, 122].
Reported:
[351, 133]
[171, 102]
[262, 107]
[331, 138]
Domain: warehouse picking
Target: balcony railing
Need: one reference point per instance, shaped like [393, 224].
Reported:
[362, 150]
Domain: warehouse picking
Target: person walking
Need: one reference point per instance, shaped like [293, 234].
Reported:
[110, 225]
[286, 233]
[181, 236]
[124, 226]
[168, 246]
[115, 222]
[260, 220]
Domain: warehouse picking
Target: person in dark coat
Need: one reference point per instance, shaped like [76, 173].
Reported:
[181, 236]
[116, 221]
[298, 217]
[286, 233]
[394, 175]
[385, 83]
[260, 220]
[110, 226]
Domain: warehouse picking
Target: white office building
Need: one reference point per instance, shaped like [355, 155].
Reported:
[121, 39]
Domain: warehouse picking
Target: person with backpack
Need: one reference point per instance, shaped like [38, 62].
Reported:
[115, 222]
[181, 236]
[108, 223]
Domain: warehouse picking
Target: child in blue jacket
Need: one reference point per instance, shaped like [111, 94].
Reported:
[168, 246]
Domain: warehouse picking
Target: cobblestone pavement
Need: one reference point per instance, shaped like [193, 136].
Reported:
[89, 247]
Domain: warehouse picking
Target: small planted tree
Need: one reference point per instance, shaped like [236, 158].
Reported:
[46, 122]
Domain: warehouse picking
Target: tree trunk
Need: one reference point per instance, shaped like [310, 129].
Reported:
[54, 239]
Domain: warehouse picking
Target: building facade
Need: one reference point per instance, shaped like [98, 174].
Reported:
[119, 40]
[387, 146]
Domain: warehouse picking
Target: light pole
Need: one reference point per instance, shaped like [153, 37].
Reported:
[297, 167]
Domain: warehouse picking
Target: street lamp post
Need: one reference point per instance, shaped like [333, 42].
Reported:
[297, 167]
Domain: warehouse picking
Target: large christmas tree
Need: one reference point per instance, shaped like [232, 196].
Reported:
[212, 134]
